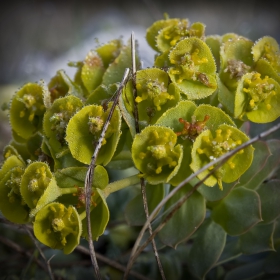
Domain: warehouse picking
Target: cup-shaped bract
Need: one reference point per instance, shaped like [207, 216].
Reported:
[27, 110]
[168, 36]
[154, 153]
[84, 130]
[266, 54]
[96, 63]
[37, 178]
[12, 204]
[56, 119]
[58, 227]
[193, 68]
[154, 94]
[257, 99]
[156, 27]
[236, 60]
[209, 146]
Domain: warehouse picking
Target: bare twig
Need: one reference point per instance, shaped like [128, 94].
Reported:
[41, 253]
[142, 182]
[90, 172]
[111, 263]
[218, 161]
[21, 250]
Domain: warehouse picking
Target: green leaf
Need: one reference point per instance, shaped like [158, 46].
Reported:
[27, 110]
[207, 248]
[257, 239]
[75, 177]
[134, 211]
[226, 97]
[114, 72]
[238, 212]
[252, 270]
[215, 193]
[154, 153]
[99, 217]
[271, 263]
[60, 86]
[193, 68]
[186, 220]
[101, 94]
[58, 227]
[269, 193]
[109, 51]
[92, 71]
[214, 43]
[84, 130]
[231, 250]
[127, 116]
[261, 154]
[270, 167]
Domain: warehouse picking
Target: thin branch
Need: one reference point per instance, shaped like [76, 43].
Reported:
[41, 253]
[20, 250]
[142, 182]
[90, 172]
[111, 263]
[221, 160]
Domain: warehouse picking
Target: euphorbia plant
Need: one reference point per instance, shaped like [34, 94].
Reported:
[195, 105]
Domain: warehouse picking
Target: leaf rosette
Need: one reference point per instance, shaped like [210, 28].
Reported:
[257, 99]
[209, 146]
[155, 154]
[193, 68]
[84, 130]
[27, 110]
[58, 227]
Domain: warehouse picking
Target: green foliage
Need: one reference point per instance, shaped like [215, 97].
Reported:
[198, 102]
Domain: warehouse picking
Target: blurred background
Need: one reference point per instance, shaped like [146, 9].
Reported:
[39, 37]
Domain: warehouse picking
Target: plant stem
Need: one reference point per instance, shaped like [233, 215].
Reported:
[68, 190]
[120, 184]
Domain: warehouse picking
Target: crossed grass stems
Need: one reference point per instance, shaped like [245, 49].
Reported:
[137, 249]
